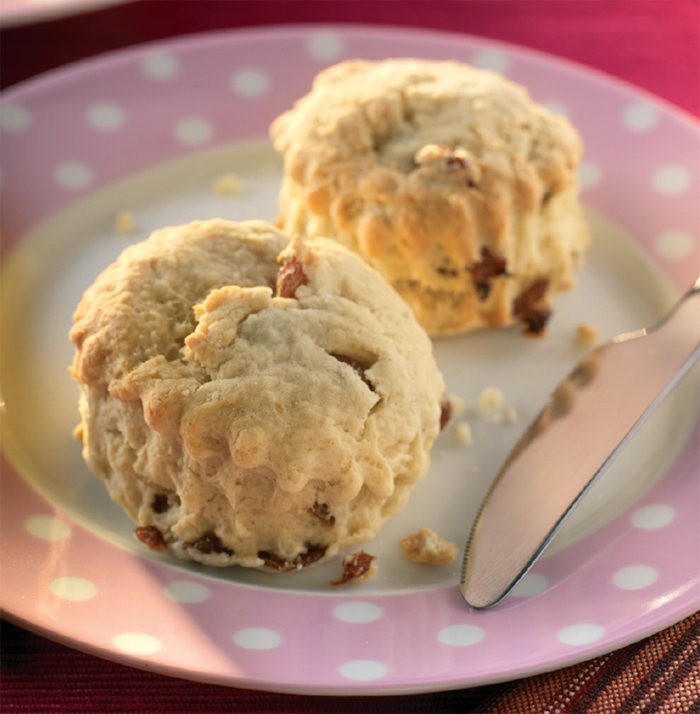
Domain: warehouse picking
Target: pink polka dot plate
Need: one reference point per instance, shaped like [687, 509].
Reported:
[97, 155]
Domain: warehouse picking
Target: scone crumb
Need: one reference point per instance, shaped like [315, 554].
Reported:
[463, 433]
[124, 223]
[490, 400]
[587, 334]
[227, 185]
[429, 548]
[357, 567]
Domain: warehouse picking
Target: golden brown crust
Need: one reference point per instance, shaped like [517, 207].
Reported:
[240, 426]
[419, 166]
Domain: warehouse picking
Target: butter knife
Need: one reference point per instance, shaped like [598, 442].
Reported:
[587, 420]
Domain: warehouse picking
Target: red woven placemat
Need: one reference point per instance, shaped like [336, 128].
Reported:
[659, 675]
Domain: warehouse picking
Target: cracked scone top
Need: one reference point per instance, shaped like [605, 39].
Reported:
[448, 179]
[252, 401]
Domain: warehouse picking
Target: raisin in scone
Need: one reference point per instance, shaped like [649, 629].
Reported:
[447, 179]
[250, 400]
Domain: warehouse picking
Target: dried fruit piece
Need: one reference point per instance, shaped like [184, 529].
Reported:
[322, 511]
[483, 271]
[310, 555]
[160, 503]
[290, 276]
[451, 159]
[528, 307]
[357, 567]
[447, 272]
[429, 548]
[151, 536]
[445, 413]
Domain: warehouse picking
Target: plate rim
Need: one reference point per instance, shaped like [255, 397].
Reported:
[192, 40]
[197, 40]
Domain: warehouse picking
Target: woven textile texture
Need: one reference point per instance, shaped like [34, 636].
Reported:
[659, 675]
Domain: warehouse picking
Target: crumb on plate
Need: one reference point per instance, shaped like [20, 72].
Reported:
[490, 400]
[124, 223]
[587, 334]
[463, 433]
[227, 185]
[429, 548]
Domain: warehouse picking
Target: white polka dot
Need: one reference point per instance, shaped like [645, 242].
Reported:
[653, 516]
[635, 577]
[193, 131]
[257, 638]
[74, 589]
[584, 633]
[324, 45]
[495, 60]
[460, 635]
[589, 174]
[357, 612]
[161, 66]
[640, 117]
[105, 116]
[14, 117]
[670, 180]
[531, 584]
[250, 82]
[186, 591]
[136, 643]
[47, 527]
[73, 175]
[363, 670]
[674, 245]
[556, 107]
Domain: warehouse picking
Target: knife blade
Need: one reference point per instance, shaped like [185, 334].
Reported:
[587, 420]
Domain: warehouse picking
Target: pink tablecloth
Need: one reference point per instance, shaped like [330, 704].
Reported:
[654, 44]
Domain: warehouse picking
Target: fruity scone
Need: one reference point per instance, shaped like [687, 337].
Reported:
[449, 180]
[251, 400]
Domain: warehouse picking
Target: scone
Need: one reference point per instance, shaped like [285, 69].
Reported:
[250, 400]
[449, 180]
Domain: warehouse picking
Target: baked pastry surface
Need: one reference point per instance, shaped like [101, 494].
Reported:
[449, 180]
[250, 400]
